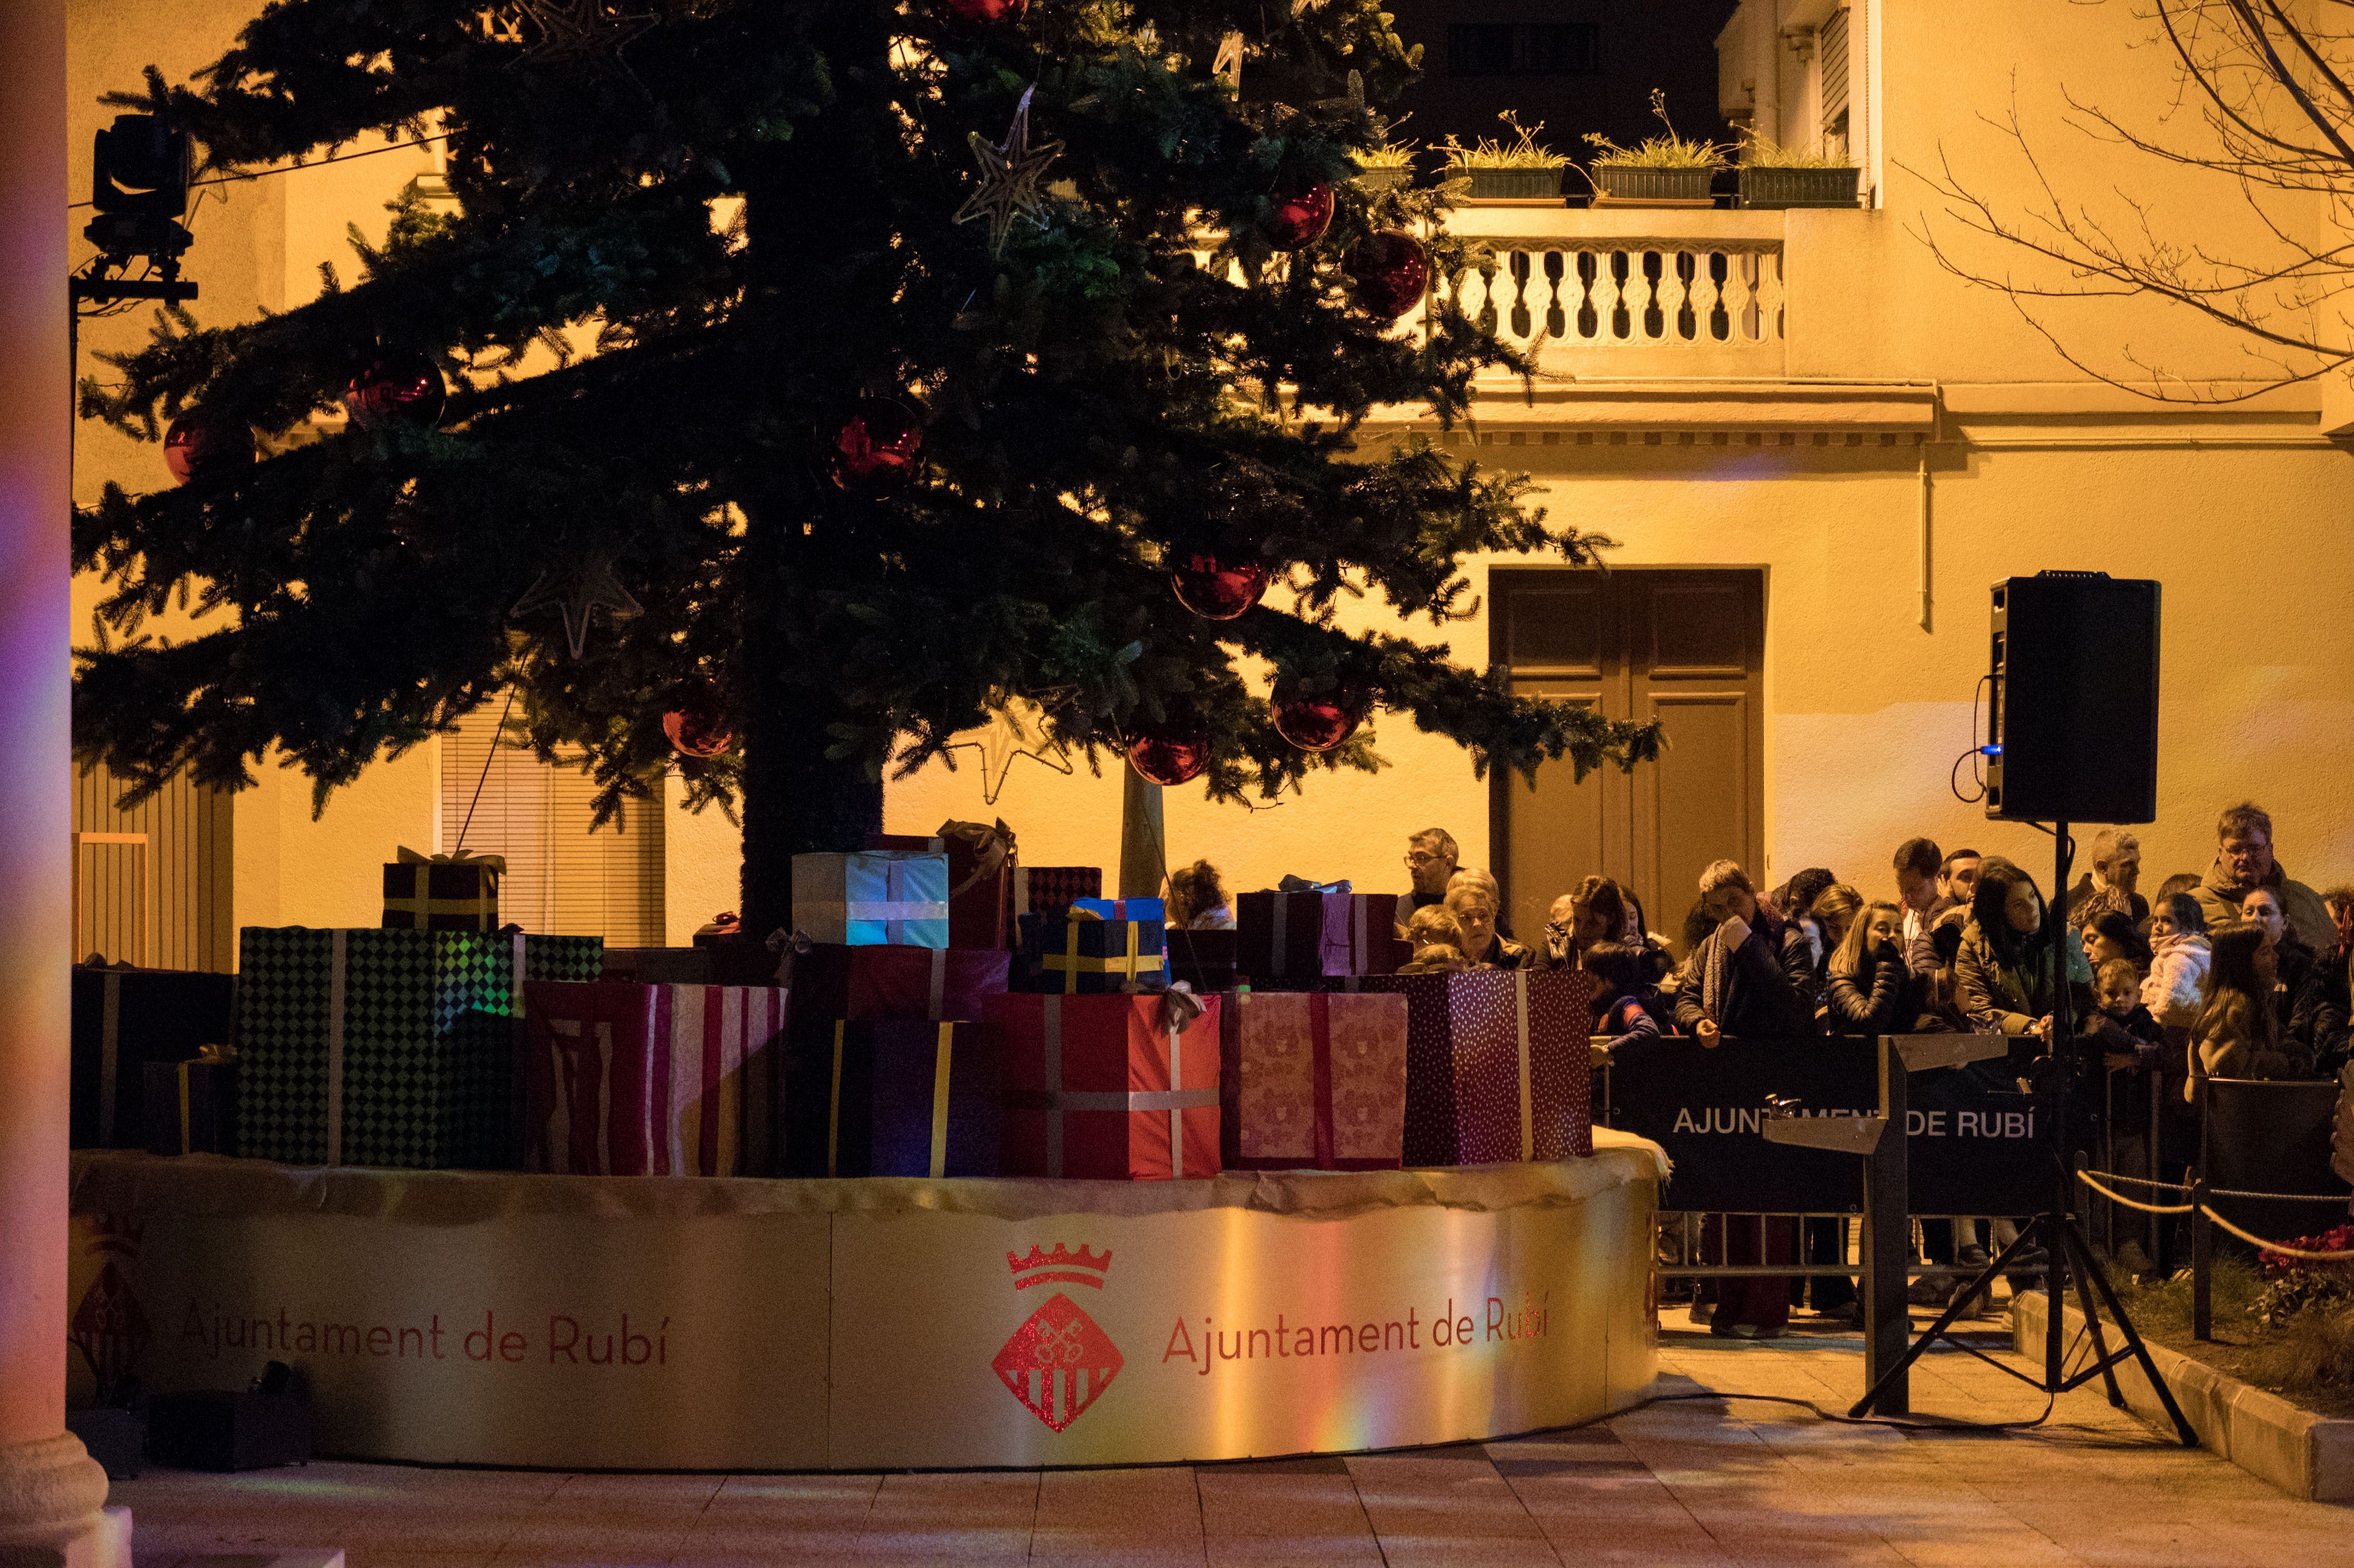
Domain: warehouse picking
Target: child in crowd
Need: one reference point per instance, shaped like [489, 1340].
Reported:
[1437, 939]
[2237, 1034]
[1197, 899]
[1625, 1003]
[2180, 956]
[2120, 1023]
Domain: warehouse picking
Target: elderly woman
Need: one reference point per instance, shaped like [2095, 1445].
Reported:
[1472, 902]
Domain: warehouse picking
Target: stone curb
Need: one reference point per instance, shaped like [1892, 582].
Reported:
[2306, 1456]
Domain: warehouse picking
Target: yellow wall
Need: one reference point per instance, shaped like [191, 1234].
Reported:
[2034, 466]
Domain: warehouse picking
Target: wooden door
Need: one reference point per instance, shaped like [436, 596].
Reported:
[1685, 647]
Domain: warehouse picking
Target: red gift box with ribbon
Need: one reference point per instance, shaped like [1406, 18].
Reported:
[1312, 1080]
[981, 873]
[1499, 1065]
[1109, 1087]
[651, 1080]
[886, 985]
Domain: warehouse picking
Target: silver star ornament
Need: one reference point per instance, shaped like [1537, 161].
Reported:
[1012, 177]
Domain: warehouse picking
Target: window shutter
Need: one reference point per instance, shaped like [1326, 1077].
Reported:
[1834, 54]
[562, 878]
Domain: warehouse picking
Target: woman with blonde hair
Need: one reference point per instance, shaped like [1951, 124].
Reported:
[1869, 988]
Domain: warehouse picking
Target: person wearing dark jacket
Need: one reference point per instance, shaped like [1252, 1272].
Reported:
[1751, 977]
[1871, 989]
[2324, 1010]
[2294, 962]
[2010, 968]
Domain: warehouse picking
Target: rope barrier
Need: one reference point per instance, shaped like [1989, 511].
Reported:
[2283, 1248]
[2132, 1204]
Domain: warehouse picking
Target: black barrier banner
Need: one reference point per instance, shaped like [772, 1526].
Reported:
[1974, 1147]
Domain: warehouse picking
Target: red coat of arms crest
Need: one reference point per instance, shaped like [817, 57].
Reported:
[1058, 1362]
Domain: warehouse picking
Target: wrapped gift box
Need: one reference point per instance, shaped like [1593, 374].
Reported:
[874, 985]
[1201, 960]
[1108, 1087]
[1149, 911]
[873, 898]
[192, 1105]
[1048, 890]
[1296, 939]
[1311, 1080]
[1083, 956]
[1499, 1065]
[981, 874]
[373, 1047]
[622, 1079]
[662, 966]
[895, 1098]
[225, 1429]
[442, 891]
[124, 1019]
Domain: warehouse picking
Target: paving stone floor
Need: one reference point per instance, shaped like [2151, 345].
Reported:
[1706, 1480]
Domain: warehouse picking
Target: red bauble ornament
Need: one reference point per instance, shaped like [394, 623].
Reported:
[698, 726]
[876, 447]
[989, 10]
[401, 389]
[197, 448]
[1300, 220]
[1322, 722]
[1218, 589]
[1391, 272]
[1169, 756]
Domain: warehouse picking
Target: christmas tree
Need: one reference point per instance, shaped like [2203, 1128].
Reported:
[832, 371]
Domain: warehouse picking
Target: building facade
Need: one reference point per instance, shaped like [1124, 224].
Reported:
[1816, 442]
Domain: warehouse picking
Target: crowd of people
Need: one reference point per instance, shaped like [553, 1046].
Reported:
[2237, 971]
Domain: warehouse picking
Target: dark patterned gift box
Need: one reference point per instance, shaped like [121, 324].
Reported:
[1499, 1065]
[1201, 960]
[361, 1048]
[895, 1098]
[124, 1019]
[1295, 940]
[1047, 890]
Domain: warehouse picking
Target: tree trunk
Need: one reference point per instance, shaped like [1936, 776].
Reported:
[796, 801]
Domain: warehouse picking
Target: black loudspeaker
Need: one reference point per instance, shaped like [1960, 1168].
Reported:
[2073, 733]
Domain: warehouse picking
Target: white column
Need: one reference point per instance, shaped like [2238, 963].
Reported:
[50, 1490]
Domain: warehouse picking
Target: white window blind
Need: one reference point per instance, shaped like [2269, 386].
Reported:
[562, 878]
[1834, 54]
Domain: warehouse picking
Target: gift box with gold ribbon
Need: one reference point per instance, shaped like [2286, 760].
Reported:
[1083, 955]
[191, 1106]
[125, 1019]
[442, 891]
[895, 1098]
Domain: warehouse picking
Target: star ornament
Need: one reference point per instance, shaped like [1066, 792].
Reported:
[1012, 177]
[579, 591]
[1016, 728]
[579, 32]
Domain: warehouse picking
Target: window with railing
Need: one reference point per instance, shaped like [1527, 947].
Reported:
[1635, 293]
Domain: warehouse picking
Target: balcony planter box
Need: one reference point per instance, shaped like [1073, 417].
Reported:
[1619, 182]
[1384, 179]
[1769, 188]
[1512, 185]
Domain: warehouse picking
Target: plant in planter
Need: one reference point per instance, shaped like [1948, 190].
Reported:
[1378, 168]
[1670, 170]
[1524, 170]
[1773, 175]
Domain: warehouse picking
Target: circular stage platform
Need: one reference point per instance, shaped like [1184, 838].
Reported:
[679, 1323]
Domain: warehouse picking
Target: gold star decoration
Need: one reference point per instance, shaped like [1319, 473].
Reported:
[580, 32]
[579, 591]
[1011, 177]
[1229, 62]
[1016, 728]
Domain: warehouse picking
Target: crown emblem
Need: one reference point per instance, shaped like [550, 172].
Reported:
[116, 1234]
[1083, 1268]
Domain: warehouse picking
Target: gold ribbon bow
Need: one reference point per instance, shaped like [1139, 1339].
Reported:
[495, 865]
[992, 848]
[218, 1056]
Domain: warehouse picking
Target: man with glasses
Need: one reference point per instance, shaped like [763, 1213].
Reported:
[1430, 855]
[2243, 862]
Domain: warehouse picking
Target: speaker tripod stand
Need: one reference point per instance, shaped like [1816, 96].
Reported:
[2067, 1255]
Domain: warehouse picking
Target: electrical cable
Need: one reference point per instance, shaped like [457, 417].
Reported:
[1976, 755]
[335, 158]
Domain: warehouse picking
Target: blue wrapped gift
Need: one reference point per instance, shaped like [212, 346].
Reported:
[1085, 956]
[873, 898]
[1144, 911]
